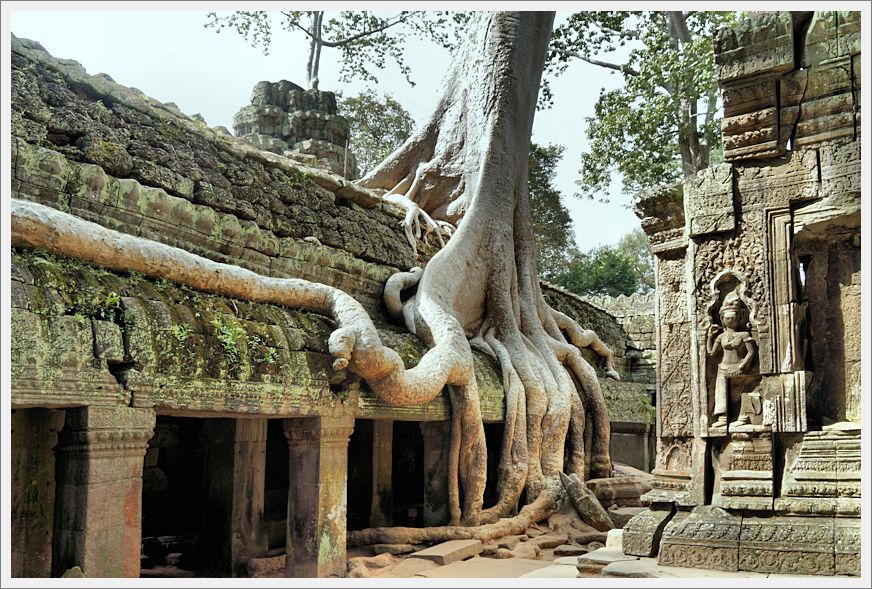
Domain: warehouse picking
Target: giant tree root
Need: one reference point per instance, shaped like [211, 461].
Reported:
[549, 501]
[355, 344]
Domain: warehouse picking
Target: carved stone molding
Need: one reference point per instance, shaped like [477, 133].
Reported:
[105, 441]
[99, 494]
[827, 467]
[784, 401]
[827, 108]
[706, 538]
[746, 475]
[662, 215]
[318, 431]
[787, 545]
[668, 486]
[106, 431]
[831, 34]
[847, 534]
[762, 43]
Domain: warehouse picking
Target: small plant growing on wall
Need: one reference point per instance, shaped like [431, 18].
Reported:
[260, 352]
[229, 337]
[180, 332]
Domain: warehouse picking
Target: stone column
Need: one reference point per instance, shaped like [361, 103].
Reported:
[317, 496]
[98, 510]
[382, 479]
[436, 436]
[248, 534]
[34, 434]
[234, 465]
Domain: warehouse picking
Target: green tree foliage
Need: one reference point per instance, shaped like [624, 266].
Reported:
[602, 271]
[378, 125]
[662, 125]
[552, 225]
[636, 247]
[366, 40]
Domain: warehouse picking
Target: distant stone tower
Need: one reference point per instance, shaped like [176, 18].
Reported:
[299, 124]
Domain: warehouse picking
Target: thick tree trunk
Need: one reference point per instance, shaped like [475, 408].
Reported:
[694, 154]
[468, 165]
[315, 44]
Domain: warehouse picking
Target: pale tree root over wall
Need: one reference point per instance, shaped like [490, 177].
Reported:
[481, 290]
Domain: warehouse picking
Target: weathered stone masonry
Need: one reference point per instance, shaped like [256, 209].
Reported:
[154, 421]
[762, 253]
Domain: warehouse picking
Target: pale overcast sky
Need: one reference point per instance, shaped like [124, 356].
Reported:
[169, 55]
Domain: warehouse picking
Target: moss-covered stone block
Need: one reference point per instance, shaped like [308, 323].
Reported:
[108, 341]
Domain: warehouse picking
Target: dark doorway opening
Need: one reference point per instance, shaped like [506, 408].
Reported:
[276, 483]
[408, 474]
[171, 502]
[360, 475]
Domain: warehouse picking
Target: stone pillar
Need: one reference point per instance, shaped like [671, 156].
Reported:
[98, 510]
[234, 465]
[317, 496]
[382, 480]
[248, 534]
[34, 434]
[436, 436]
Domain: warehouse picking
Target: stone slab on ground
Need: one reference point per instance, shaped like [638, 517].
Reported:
[648, 567]
[570, 550]
[554, 571]
[484, 568]
[585, 537]
[595, 561]
[451, 551]
[548, 541]
[526, 550]
[511, 541]
[566, 560]
[411, 567]
[394, 548]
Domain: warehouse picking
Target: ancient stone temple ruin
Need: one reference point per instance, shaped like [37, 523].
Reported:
[154, 425]
[758, 308]
[300, 124]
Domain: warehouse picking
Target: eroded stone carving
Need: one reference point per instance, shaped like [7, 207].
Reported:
[737, 348]
[787, 545]
[642, 533]
[708, 201]
[285, 119]
[823, 476]
[746, 470]
[708, 537]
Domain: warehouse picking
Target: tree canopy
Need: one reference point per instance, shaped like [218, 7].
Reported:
[377, 126]
[552, 225]
[636, 247]
[604, 270]
[366, 40]
[662, 124]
